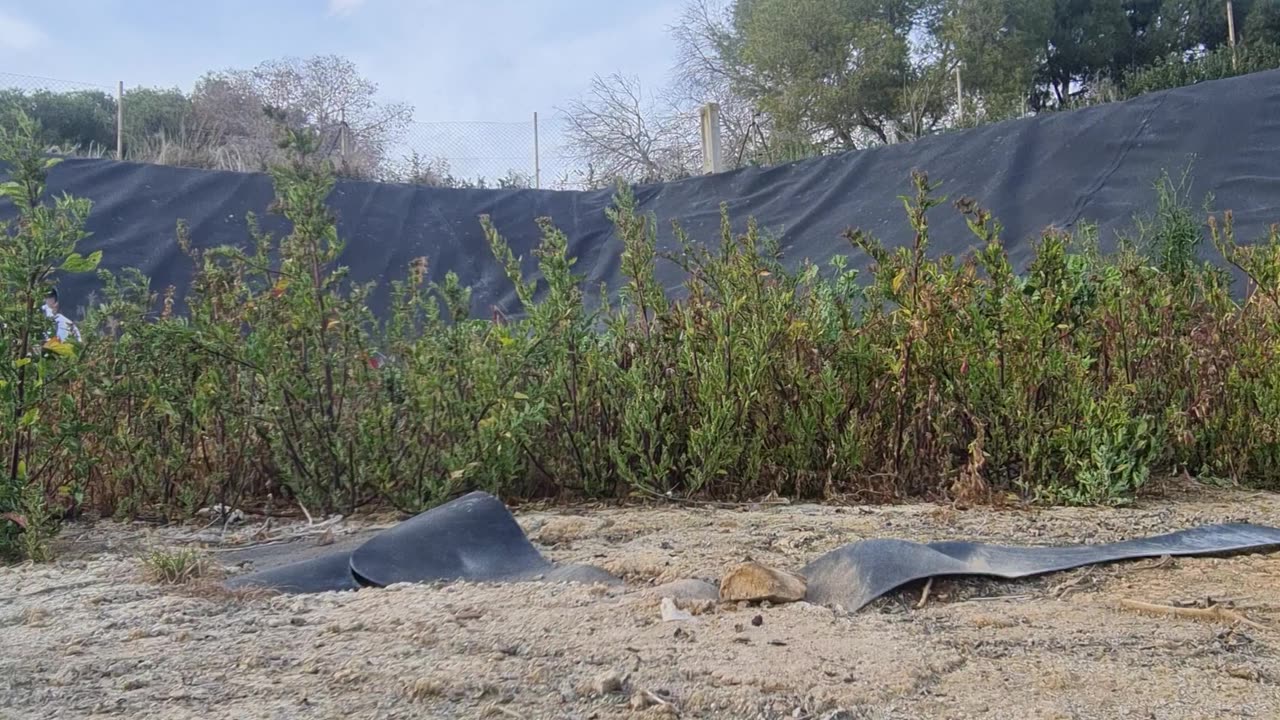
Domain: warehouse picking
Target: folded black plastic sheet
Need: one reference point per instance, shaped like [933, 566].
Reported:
[325, 573]
[472, 538]
[1097, 164]
[856, 574]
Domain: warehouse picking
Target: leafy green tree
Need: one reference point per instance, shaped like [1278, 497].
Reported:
[999, 44]
[83, 120]
[151, 112]
[1262, 23]
[1085, 37]
[34, 364]
[843, 70]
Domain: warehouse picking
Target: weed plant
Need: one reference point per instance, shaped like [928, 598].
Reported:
[1075, 380]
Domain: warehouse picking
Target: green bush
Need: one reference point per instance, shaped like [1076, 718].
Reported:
[1075, 381]
[1176, 72]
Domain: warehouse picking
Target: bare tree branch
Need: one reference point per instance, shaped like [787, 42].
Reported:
[619, 133]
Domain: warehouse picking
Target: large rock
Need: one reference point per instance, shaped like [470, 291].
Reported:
[753, 582]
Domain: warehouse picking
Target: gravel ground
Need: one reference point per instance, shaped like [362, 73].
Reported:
[90, 636]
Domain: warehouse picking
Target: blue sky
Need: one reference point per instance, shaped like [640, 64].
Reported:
[491, 60]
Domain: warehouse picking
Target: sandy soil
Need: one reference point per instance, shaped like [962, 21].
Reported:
[90, 636]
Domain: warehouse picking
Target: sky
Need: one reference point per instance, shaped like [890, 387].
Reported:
[469, 60]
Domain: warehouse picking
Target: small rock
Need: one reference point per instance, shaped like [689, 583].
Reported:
[757, 621]
[753, 582]
[607, 683]
[671, 613]
[134, 684]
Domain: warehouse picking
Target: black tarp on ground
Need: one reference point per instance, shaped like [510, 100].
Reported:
[1097, 164]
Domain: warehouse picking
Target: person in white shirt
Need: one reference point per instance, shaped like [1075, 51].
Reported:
[66, 328]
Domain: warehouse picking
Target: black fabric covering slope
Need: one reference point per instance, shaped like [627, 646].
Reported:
[856, 574]
[1096, 164]
[474, 537]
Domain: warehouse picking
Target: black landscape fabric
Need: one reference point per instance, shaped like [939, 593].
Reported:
[1097, 165]
[476, 538]
[854, 575]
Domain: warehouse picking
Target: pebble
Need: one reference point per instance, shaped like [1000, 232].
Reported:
[608, 682]
[671, 613]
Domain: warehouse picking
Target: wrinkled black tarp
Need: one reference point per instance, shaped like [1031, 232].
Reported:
[476, 538]
[1097, 164]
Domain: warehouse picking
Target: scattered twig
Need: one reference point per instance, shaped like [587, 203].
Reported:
[655, 697]
[1163, 562]
[994, 598]
[924, 596]
[1063, 589]
[1215, 613]
[310, 522]
[494, 708]
[284, 537]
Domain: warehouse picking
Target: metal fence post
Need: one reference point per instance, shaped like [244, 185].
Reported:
[537, 156]
[712, 156]
[120, 120]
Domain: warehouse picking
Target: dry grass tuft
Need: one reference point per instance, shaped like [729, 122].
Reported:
[176, 567]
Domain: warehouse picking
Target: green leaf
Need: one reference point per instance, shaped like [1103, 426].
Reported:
[21, 363]
[76, 263]
[521, 396]
[48, 164]
[29, 418]
[58, 347]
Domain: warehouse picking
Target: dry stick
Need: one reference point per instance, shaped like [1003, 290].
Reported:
[994, 598]
[1215, 613]
[924, 596]
[656, 698]
[310, 522]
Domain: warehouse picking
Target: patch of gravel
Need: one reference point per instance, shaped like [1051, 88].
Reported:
[88, 636]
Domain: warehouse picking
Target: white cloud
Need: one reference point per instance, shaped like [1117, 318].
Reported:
[18, 35]
[344, 7]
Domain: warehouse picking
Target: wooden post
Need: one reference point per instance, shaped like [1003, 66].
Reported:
[712, 157]
[1231, 35]
[959, 98]
[120, 120]
[537, 156]
[342, 136]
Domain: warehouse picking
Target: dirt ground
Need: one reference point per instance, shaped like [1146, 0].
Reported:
[89, 635]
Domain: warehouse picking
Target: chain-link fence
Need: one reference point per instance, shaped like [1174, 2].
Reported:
[532, 153]
[545, 151]
[84, 117]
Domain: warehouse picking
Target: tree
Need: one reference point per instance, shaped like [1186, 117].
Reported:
[705, 72]
[1085, 37]
[151, 112]
[1262, 23]
[999, 45]
[845, 72]
[621, 134]
[325, 94]
[80, 120]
